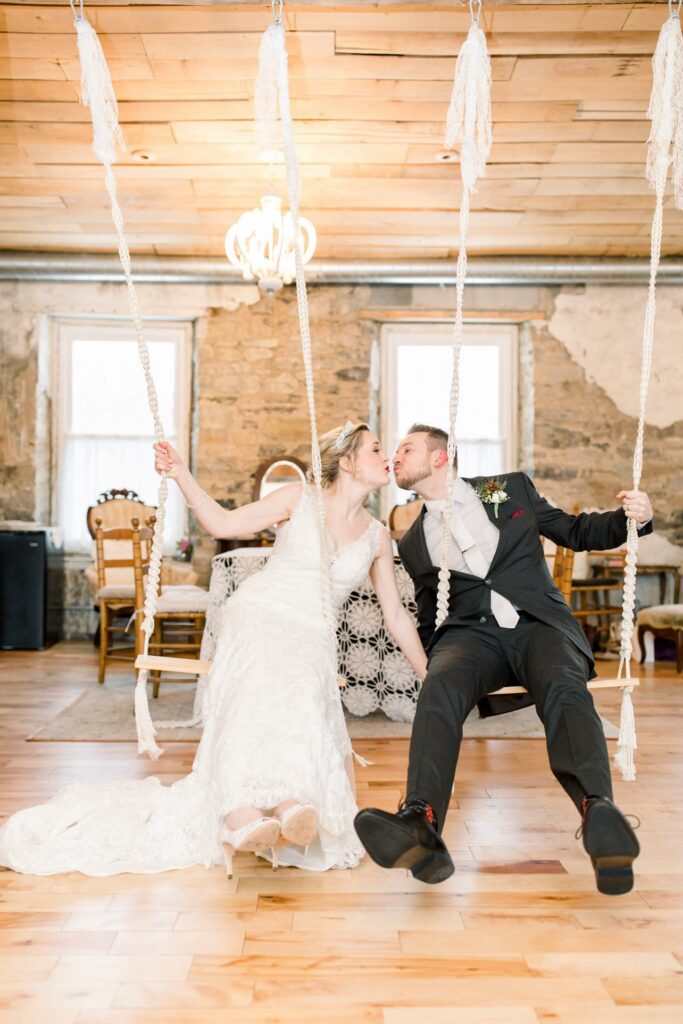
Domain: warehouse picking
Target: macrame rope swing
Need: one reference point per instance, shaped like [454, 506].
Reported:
[272, 92]
[665, 149]
[97, 93]
[469, 127]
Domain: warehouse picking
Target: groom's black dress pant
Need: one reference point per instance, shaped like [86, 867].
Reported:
[469, 661]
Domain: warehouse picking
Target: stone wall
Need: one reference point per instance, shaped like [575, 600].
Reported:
[18, 379]
[251, 388]
[252, 399]
[583, 442]
[580, 376]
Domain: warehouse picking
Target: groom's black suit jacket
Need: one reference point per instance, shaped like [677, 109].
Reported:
[519, 570]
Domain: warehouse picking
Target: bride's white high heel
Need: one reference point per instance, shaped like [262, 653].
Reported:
[299, 824]
[261, 834]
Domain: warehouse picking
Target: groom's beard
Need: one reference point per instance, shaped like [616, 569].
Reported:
[406, 481]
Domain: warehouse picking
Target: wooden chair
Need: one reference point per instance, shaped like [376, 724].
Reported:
[563, 566]
[116, 508]
[402, 517]
[178, 623]
[594, 592]
[120, 575]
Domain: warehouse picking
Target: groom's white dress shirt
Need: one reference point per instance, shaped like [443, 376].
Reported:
[474, 539]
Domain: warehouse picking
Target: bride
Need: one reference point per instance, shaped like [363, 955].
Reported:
[273, 774]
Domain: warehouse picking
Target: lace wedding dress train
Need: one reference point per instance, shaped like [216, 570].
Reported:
[273, 729]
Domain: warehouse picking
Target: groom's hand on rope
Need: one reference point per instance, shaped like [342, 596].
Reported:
[636, 506]
[167, 460]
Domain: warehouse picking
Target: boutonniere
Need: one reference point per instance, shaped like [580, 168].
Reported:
[492, 492]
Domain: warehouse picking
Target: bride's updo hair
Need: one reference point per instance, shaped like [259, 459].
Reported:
[331, 455]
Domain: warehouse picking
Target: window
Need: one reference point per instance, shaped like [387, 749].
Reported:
[416, 381]
[104, 428]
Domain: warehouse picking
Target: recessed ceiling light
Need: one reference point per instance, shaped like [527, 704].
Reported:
[143, 156]
[446, 157]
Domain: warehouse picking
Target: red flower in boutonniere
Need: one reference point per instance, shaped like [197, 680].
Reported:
[492, 492]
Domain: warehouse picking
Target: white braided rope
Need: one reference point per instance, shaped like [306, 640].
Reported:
[468, 124]
[443, 589]
[665, 148]
[98, 94]
[273, 65]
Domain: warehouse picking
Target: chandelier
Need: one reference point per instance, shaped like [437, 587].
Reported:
[261, 244]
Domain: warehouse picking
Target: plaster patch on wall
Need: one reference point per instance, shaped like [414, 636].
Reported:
[614, 317]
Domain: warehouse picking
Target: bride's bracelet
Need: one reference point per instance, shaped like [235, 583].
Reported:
[200, 502]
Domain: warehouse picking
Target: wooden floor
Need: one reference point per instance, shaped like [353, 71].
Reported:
[518, 935]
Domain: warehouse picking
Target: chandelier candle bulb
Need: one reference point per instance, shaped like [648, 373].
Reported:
[261, 244]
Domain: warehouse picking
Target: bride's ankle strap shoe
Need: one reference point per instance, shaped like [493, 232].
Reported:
[260, 834]
[299, 824]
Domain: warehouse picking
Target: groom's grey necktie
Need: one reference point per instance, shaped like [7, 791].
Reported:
[476, 539]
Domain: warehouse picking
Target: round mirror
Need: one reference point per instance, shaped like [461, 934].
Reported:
[277, 473]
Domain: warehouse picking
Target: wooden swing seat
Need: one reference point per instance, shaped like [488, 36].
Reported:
[184, 666]
[595, 684]
[194, 666]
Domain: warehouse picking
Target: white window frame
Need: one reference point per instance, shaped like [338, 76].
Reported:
[66, 331]
[393, 336]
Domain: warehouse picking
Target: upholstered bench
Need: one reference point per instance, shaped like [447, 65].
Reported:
[665, 620]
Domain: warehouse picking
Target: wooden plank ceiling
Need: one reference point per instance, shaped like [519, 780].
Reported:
[370, 84]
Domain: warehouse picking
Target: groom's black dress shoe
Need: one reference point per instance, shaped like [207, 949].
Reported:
[610, 843]
[407, 839]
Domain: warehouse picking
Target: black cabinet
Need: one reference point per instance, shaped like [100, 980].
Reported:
[31, 590]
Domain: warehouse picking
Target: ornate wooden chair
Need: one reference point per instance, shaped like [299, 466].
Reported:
[117, 508]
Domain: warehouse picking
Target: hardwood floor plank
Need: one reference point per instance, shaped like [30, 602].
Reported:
[518, 935]
[174, 995]
[137, 967]
[465, 1015]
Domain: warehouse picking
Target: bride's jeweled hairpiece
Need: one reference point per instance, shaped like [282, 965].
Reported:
[343, 434]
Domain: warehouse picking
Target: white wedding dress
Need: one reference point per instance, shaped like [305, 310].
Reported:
[274, 729]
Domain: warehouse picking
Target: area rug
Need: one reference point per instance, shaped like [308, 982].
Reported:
[105, 714]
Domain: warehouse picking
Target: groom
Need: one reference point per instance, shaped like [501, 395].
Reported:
[507, 624]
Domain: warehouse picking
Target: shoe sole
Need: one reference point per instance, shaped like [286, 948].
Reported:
[612, 850]
[301, 828]
[430, 866]
[262, 838]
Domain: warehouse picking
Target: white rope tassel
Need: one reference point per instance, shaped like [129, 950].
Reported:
[627, 743]
[276, 52]
[97, 93]
[143, 720]
[665, 144]
[267, 133]
[469, 124]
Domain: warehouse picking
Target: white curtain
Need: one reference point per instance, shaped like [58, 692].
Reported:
[92, 465]
[480, 458]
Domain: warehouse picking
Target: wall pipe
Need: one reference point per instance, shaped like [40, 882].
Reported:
[483, 270]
